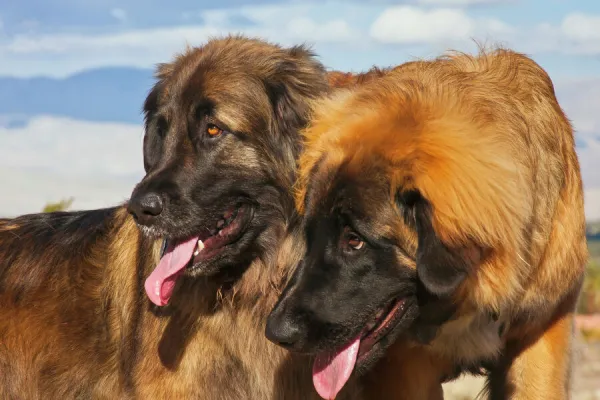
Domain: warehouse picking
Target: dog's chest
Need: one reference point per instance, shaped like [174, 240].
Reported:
[213, 363]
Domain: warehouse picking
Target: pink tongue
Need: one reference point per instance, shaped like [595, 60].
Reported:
[331, 371]
[160, 283]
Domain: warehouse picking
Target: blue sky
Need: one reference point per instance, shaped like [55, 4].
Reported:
[74, 73]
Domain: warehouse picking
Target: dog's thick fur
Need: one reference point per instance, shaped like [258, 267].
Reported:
[484, 202]
[75, 321]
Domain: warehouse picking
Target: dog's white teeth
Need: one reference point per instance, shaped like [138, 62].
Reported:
[221, 233]
[220, 224]
[199, 247]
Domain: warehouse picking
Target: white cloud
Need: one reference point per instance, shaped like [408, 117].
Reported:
[290, 23]
[336, 30]
[135, 40]
[580, 99]
[59, 55]
[581, 27]
[443, 26]
[577, 34]
[119, 13]
[589, 160]
[581, 34]
[51, 158]
[65, 54]
[406, 24]
[592, 204]
[495, 27]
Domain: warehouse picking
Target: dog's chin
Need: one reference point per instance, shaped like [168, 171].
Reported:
[152, 232]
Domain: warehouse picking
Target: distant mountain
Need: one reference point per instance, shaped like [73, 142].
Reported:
[105, 94]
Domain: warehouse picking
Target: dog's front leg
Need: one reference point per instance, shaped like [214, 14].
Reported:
[540, 369]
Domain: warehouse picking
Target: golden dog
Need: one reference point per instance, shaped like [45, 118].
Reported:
[445, 229]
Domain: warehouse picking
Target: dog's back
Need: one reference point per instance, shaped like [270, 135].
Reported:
[55, 314]
[525, 133]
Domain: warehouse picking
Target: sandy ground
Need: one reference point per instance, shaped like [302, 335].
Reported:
[586, 372]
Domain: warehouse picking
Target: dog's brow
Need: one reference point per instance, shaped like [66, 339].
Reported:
[232, 119]
[324, 174]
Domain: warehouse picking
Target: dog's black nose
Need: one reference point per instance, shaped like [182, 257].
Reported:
[284, 331]
[145, 207]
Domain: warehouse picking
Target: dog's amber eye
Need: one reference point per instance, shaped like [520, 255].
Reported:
[355, 242]
[213, 130]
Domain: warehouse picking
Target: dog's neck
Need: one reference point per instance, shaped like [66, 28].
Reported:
[263, 280]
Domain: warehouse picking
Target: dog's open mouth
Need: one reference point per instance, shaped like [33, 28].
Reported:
[383, 322]
[331, 370]
[191, 252]
[226, 231]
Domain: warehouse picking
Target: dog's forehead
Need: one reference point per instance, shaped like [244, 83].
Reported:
[236, 94]
[341, 186]
[366, 194]
[320, 179]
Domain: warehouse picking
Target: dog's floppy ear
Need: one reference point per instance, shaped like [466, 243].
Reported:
[297, 78]
[152, 146]
[439, 268]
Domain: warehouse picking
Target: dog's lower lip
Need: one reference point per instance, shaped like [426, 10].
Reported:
[386, 319]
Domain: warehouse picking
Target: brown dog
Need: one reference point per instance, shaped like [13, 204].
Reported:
[220, 153]
[448, 191]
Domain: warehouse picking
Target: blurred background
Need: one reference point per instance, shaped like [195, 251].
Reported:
[74, 74]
